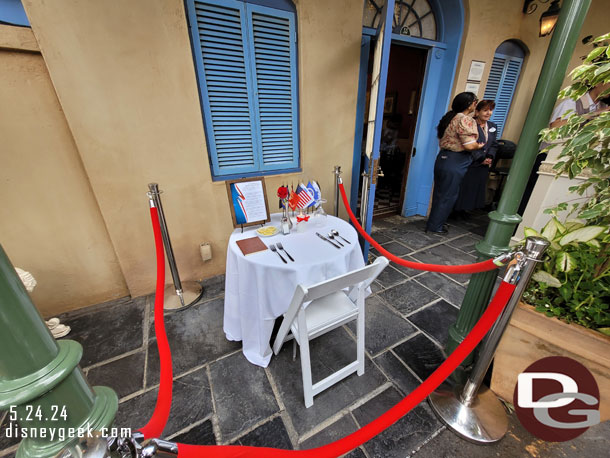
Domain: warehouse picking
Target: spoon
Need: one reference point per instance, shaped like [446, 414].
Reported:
[334, 232]
[332, 237]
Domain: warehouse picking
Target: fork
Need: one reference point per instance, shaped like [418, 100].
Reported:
[279, 245]
[274, 249]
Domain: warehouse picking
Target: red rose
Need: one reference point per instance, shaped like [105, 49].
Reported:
[282, 192]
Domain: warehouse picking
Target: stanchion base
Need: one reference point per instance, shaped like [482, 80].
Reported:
[191, 293]
[484, 422]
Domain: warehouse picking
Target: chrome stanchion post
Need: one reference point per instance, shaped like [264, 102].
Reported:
[473, 412]
[155, 195]
[191, 291]
[98, 446]
[337, 173]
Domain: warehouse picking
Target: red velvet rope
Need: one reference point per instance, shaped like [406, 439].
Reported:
[463, 269]
[157, 422]
[369, 431]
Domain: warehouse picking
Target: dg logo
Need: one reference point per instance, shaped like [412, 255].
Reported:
[557, 399]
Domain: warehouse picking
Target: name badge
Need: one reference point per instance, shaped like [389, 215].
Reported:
[493, 129]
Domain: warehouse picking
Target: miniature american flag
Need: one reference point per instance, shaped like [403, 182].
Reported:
[304, 197]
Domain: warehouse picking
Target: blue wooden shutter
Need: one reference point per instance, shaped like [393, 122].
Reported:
[495, 78]
[273, 52]
[501, 85]
[248, 83]
[220, 32]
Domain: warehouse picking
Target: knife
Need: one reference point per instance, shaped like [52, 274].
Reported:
[329, 241]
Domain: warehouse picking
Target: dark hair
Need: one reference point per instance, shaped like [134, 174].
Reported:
[460, 103]
[483, 104]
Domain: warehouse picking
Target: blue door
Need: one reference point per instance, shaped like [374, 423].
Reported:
[362, 80]
[375, 120]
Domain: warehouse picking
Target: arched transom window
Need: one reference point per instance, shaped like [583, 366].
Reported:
[411, 17]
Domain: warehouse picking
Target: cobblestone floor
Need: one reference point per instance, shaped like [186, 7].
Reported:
[220, 398]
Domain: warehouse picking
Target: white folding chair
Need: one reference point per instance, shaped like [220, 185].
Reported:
[320, 308]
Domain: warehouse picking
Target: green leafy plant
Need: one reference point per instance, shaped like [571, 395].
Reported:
[573, 284]
[585, 139]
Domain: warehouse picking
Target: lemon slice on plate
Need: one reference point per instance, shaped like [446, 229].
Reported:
[267, 231]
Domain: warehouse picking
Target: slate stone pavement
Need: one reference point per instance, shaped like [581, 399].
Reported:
[220, 398]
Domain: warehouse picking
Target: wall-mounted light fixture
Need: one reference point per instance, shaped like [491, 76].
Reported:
[548, 19]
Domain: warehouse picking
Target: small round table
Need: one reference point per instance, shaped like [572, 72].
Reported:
[259, 287]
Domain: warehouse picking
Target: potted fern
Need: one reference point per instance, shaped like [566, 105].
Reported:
[568, 299]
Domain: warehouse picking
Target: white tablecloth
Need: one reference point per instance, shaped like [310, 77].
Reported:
[259, 287]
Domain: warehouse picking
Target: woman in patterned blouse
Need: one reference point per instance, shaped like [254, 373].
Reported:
[458, 136]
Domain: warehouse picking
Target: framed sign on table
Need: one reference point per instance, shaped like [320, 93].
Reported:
[248, 201]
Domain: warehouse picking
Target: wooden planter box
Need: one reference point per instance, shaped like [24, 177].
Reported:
[531, 336]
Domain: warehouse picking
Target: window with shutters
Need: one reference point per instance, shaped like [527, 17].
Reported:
[245, 55]
[502, 81]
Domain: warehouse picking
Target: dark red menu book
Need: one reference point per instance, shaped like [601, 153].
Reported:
[251, 245]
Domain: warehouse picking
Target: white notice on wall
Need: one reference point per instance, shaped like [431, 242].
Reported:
[472, 87]
[251, 200]
[476, 70]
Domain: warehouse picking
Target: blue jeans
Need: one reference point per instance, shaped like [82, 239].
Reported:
[449, 170]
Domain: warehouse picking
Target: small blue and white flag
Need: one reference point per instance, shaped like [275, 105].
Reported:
[316, 192]
[312, 191]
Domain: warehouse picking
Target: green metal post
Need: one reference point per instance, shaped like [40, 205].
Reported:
[41, 384]
[505, 218]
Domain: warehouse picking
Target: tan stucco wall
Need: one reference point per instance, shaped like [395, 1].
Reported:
[50, 223]
[330, 34]
[124, 74]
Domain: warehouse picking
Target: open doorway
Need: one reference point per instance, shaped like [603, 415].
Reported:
[405, 78]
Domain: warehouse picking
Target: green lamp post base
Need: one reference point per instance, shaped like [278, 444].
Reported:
[41, 384]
